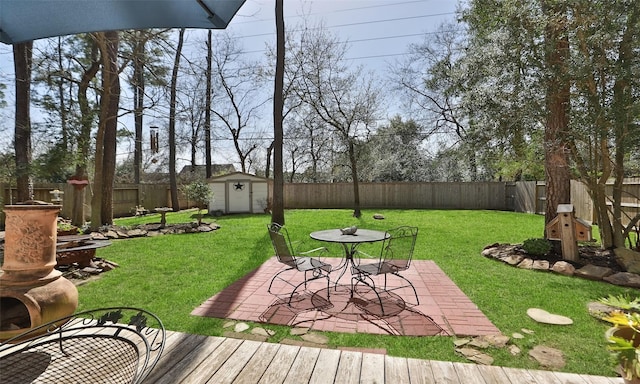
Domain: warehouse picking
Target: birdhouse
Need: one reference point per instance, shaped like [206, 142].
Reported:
[581, 229]
[569, 230]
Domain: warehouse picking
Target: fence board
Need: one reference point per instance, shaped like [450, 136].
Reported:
[524, 196]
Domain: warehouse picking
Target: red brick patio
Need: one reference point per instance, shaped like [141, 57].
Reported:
[443, 310]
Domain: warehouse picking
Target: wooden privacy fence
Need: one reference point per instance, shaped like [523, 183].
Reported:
[125, 198]
[525, 196]
[481, 195]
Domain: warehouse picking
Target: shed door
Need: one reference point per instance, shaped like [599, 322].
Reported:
[239, 195]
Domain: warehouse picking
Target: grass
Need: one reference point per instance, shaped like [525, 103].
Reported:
[171, 275]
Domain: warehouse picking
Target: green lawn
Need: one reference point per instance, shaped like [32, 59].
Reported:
[171, 275]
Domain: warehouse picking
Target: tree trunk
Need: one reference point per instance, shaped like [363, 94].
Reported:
[22, 58]
[354, 175]
[207, 109]
[277, 213]
[102, 202]
[173, 181]
[558, 177]
[138, 103]
[84, 138]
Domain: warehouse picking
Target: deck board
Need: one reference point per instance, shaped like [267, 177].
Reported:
[213, 362]
[395, 370]
[253, 370]
[232, 367]
[200, 359]
[349, 368]
[373, 368]
[326, 366]
[302, 367]
[277, 371]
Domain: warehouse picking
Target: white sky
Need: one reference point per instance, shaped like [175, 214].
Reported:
[378, 32]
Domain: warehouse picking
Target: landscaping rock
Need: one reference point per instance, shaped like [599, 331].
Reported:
[512, 260]
[542, 316]
[629, 259]
[548, 357]
[461, 342]
[563, 268]
[497, 341]
[475, 356]
[599, 310]
[378, 216]
[479, 342]
[541, 265]
[624, 279]
[526, 264]
[593, 272]
[137, 233]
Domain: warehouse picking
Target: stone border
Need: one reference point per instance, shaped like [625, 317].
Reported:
[515, 256]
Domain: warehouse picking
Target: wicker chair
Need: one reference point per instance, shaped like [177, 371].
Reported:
[312, 268]
[107, 345]
[395, 257]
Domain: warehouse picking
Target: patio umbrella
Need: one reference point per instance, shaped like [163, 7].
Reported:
[24, 20]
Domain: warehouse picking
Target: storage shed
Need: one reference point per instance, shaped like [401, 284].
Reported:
[238, 192]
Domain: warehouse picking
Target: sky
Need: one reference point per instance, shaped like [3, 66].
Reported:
[378, 32]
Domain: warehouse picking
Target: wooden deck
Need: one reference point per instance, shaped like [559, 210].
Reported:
[201, 359]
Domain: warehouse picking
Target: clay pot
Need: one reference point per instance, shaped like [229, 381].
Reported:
[30, 241]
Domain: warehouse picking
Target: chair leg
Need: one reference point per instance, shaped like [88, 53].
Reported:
[277, 277]
[362, 279]
[415, 293]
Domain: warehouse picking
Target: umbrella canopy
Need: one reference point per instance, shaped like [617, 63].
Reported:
[24, 20]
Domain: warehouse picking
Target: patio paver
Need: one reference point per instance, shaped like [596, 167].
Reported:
[444, 309]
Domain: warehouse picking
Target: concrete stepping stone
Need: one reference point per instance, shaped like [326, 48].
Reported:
[542, 316]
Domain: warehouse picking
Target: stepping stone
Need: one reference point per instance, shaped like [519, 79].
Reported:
[298, 331]
[517, 335]
[514, 350]
[241, 327]
[262, 332]
[548, 357]
[542, 316]
[475, 356]
[315, 338]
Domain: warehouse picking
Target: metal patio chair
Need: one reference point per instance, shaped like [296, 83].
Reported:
[395, 257]
[311, 267]
[107, 345]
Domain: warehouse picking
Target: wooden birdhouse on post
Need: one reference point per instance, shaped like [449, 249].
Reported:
[569, 230]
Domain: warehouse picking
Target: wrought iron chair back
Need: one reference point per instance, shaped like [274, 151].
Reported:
[397, 249]
[281, 244]
[395, 256]
[312, 268]
[107, 345]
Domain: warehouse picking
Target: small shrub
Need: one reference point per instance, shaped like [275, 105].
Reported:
[537, 247]
[200, 193]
